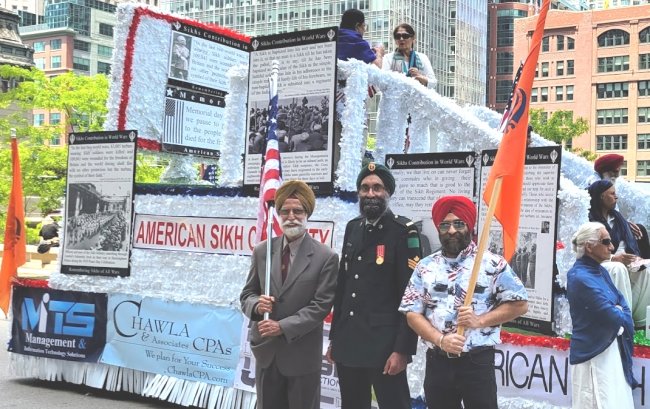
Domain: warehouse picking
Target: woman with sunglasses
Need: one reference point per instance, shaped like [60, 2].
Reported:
[627, 269]
[601, 345]
[406, 60]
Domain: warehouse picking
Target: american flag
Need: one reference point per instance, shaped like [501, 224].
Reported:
[173, 123]
[271, 177]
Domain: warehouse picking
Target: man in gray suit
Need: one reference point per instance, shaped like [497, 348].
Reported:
[288, 347]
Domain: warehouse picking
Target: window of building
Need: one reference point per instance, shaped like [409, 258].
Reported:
[55, 118]
[39, 119]
[617, 63]
[544, 94]
[643, 141]
[644, 61]
[505, 63]
[39, 63]
[613, 38]
[612, 90]
[39, 46]
[643, 168]
[79, 63]
[559, 93]
[611, 116]
[106, 29]
[560, 43]
[55, 61]
[559, 68]
[533, 95]
[568, 144]
[103, 68]
[569, 67]
[55, 44]
[569, 92]
[104, 51]
[644, 88]
[644, 35]
[623, 171]
[644, 114]
[81, 45]
[570, 43]
[545, 44]
[611, 142]
[544, 69]
[55, 141]
[504, 87]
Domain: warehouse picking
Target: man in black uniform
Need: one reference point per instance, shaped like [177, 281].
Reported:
[370, 341]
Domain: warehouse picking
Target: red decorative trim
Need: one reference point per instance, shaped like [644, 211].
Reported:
[149, 144]
[534, 340]
[127, 74]
[28, 282]
[641, 351]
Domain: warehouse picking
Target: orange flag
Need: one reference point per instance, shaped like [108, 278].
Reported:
[509, 162]
[13, 255]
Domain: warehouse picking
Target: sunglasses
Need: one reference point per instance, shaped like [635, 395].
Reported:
[458, 225]
[402, 36]
[605, 242]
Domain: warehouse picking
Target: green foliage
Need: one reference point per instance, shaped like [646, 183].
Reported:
[589, 155]
[32, 235]
[148, 168]
[559, 127]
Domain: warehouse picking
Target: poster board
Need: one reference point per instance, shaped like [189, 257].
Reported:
[534, 258]
[99, 203]
[306, 95]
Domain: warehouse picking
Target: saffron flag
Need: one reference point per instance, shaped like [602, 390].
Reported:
[271, 177]
[13, 255]
[510, 158]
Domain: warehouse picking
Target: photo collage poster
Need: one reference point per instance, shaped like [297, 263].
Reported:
[306, 96]
[196, 89]
[534, 258]
[99, 203]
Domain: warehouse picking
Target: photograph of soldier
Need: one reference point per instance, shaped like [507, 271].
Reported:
[180, 58]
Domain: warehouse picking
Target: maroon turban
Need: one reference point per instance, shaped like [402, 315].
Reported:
[459, 205]
[609, 162]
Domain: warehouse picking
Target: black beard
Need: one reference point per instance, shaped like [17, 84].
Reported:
[452, 248]
[372, 208]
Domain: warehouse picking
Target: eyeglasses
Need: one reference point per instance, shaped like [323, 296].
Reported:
[605, 242]
[296, 212]
[374, 188]
[458, 225]
[402, 36]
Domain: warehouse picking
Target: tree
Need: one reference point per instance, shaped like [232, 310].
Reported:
[81, 100]
[560, 127]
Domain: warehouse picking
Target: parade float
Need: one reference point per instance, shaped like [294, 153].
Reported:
[146, 299]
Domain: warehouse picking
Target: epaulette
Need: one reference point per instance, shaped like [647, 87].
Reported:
[406, 222]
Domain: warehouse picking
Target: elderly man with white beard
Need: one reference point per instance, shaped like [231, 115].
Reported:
[288, 346]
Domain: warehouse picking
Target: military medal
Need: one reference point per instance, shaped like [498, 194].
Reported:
[381, 249]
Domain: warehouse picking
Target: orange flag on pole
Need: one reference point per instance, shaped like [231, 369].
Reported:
[13, 255]
[509, 162]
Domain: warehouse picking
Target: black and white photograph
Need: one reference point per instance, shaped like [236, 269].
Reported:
[546, 226]
[303, 125]
[96, 218]
[99, 203]
[180, 57]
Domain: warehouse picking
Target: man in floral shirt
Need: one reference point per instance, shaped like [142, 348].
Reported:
[461, 368]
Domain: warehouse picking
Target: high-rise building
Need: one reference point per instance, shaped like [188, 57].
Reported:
[597, 64]
[500, 58]
[451, 33]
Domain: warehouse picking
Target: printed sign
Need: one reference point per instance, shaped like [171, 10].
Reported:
[57, 324]
[187, 341]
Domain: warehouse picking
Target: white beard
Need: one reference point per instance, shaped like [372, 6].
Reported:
[294, 229]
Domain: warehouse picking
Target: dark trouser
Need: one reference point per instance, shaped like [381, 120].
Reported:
[468, 379]
[392, 391]
[277, 391]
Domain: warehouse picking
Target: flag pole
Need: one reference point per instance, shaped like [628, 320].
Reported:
[273, 90]
[482, 243]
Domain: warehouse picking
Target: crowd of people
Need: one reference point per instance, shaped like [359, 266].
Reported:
[300, 128]
[85, 226]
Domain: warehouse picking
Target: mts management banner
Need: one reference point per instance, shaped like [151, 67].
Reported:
[208, 234]
[50, 323]
[179, 339]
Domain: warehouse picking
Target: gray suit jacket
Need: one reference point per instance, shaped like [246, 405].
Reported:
[302, 302]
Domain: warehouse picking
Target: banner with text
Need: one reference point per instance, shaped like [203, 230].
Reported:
[534, 258]
[99, 203]
[179, 339]
[422, 179]
[305, 121]
[209, 234]
[57, 324]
